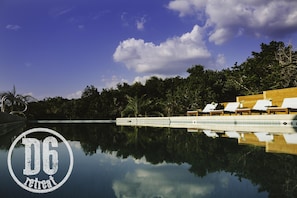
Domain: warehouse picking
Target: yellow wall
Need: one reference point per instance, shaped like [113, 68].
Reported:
[250, 138]
[279, 145]
[250, 100]
[277, 96]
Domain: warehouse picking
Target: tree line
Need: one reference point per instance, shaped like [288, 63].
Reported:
[274, 67]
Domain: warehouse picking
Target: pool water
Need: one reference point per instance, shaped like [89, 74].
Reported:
[115, 161]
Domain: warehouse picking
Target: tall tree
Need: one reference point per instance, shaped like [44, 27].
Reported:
[203, 86]
[136, 106]
[287, 59]
[90, 102]
[261, 71]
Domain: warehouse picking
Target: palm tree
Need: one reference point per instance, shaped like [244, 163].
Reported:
[136, 105]
[16, 102]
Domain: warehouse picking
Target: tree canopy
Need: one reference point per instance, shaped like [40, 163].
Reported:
[275, 66]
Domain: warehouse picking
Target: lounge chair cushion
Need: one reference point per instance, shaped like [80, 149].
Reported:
[209, 107]
[290, 103]
[262, 105]
[231, 106]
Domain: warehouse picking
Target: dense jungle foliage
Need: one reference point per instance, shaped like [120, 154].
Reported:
[275, 66]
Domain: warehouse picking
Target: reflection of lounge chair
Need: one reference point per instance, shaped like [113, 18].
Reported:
[210, 133]
[290, 138]
[264, 137]
[208, 108]
[260, 107]
[230, 108]
[232, 134]
[288, 105]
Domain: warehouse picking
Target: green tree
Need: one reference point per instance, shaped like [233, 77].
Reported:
[287, 59]
[203, 86]
[274, 66]
[90, 103]
[136, 106]
[261, 71]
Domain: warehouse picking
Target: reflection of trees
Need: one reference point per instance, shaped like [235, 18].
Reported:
[8, 132]
[275, 173]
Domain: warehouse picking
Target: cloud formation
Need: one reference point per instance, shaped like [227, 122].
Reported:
[226, 19]
[57, 12]
[219, 21]
[140, 23]
[147, 182]
[13, 27]
[112, 82]
[75, 95]
[174, 54]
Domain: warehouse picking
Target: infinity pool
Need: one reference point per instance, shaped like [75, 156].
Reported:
[115, 161]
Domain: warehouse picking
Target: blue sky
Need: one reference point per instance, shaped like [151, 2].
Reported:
[57, 47]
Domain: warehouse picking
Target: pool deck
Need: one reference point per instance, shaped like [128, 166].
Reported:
[278, 124]
[72, 121]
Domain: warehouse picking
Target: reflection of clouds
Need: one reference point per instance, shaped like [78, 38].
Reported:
[113, 158]
[75, 144]
[176, 181]
[224, 181]
[144, 161]
[160, 182]
[141, 161]
[130, 177]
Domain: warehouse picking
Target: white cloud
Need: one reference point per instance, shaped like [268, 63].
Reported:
[225, 19]
[186, 7]
[147, 183]
[124, 19]
[28, 94]
[143, 79]
[13, 27]
[221, 61]
[57, 12]
[112, 82]
[127, 20]
[77, 94]
[81, 27]
[140, 23]
[171, 56]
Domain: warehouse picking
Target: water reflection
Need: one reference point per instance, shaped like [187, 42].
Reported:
[176, 181]
[275, 143]
[113, 161]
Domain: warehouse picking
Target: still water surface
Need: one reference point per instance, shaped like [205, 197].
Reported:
[114, 161]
